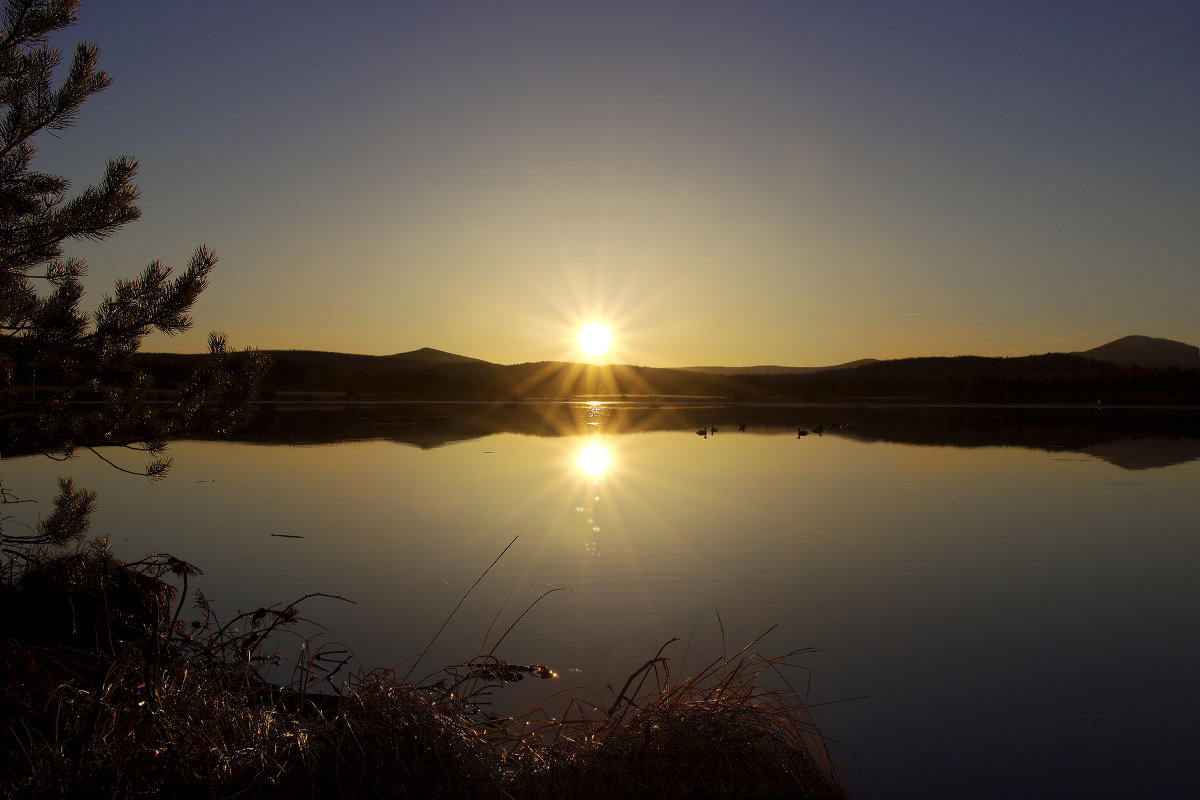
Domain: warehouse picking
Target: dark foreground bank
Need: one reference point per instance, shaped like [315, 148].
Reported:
[108, 692]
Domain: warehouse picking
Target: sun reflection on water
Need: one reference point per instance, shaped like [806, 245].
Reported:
[594, 460]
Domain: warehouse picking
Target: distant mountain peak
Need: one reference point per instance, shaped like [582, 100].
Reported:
[437, 356]
[1146, 351]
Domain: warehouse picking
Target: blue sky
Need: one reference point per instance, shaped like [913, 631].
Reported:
[723, 183]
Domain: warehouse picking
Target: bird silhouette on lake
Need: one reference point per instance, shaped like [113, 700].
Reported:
[702, 432]
[801, 432]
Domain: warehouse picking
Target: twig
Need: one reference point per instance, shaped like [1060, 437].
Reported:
[117, 467]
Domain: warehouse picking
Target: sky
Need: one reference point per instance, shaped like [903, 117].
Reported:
[721, 183]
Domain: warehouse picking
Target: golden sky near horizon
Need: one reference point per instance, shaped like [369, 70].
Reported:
[746, 183]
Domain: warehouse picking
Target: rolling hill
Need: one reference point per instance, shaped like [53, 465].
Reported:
[1131, 370]
[1148, 352]
[777, 370]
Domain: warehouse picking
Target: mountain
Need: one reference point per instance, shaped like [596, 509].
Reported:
[430, 355]
[1097, 376]
[777, 370]
[1050, 378]
[425, 356]
[1130, 351]
[1147, 352]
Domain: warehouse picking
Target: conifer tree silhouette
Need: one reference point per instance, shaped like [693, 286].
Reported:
[53, 353]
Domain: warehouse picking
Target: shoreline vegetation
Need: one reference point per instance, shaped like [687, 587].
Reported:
[432, 375]
[109, 690]
[429, 374]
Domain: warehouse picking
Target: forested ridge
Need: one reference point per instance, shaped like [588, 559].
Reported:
[1049, 378]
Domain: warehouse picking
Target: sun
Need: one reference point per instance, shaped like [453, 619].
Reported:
[594, 338]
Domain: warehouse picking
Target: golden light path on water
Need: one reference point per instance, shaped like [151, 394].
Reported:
[612, 491]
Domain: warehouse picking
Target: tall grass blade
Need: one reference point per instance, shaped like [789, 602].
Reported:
[462, 600]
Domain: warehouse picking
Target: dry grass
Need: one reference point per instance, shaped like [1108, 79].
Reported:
[170, 709]
[718, 733]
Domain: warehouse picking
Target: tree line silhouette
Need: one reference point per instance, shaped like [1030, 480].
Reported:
[1050, 378]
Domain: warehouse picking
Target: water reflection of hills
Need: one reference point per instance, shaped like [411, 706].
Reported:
[1125, 437]
[1131, 438]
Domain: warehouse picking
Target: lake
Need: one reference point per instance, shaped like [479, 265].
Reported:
[1003, 601]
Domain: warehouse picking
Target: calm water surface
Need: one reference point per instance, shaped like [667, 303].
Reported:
[1013, 621]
